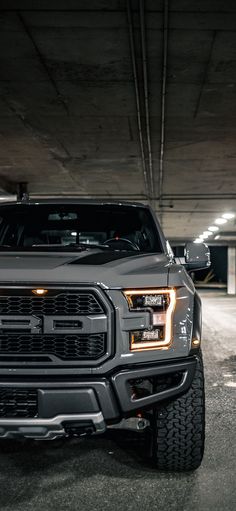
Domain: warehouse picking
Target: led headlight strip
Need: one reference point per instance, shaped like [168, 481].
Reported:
[161, 302]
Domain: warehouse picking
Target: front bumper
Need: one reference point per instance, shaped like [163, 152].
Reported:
[55, 427]
[88, 405]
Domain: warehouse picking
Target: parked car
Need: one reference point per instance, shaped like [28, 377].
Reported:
[100, 327]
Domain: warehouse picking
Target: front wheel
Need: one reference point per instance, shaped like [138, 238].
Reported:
[179, 428]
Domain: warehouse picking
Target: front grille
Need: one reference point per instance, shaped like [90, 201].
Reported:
[65, 304]
[18, 403]
[65, 347]
[64, 326]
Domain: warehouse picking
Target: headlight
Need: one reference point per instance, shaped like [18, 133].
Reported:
[160, 303]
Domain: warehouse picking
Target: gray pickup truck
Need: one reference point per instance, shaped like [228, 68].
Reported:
[100, 327]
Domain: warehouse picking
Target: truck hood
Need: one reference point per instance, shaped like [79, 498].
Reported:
[107, 269]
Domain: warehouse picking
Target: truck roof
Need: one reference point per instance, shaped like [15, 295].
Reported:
[74, 200]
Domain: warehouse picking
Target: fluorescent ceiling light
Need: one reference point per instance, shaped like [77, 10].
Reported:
[7, 198]
[228, 216]
[198, 240]
[213, 228]
[207, 233]
[220, 221]
[217, 237]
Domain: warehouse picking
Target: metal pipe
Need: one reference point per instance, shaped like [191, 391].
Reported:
[146, 94]
[143, 197]
[163, 100]
[137, 95]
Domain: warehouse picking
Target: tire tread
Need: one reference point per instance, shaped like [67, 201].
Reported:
[179, 428]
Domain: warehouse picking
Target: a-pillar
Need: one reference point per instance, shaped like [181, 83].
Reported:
[231, 277]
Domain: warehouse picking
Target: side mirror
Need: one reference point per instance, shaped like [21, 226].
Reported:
[197, 256]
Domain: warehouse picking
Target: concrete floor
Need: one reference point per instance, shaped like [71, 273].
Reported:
[107, 473]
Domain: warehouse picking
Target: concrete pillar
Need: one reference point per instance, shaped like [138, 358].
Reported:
[231, 277]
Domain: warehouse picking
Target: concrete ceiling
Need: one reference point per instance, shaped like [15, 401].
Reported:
[69, 108]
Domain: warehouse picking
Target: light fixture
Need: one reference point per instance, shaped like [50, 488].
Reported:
[160, 303]
[228, 216]
[196, 342]
[198, 240]
[217, 237]
[207, 233]
[40, 292]
[220, 221]
[213, 228]
[8, 198]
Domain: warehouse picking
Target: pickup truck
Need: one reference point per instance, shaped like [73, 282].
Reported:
[100, 327]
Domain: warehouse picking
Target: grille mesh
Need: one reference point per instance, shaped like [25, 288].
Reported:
[62, 304]
[65, 347]
[71, 346]
[18, 402]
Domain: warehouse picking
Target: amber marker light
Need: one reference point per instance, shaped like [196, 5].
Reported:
[196, 342]
[40, 292]
[160, 335]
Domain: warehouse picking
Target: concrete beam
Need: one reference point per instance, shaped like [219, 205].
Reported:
[231, 277]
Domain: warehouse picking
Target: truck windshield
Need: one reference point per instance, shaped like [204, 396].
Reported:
[116, 227]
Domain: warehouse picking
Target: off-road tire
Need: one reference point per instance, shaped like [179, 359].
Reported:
[179, 428]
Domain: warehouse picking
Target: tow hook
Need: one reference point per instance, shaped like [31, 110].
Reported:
[131, 424]
[78, 429]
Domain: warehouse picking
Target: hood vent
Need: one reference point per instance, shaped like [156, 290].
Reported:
[103, 257]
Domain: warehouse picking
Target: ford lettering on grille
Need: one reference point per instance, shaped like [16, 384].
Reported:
[54, 324]
[30, 324]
